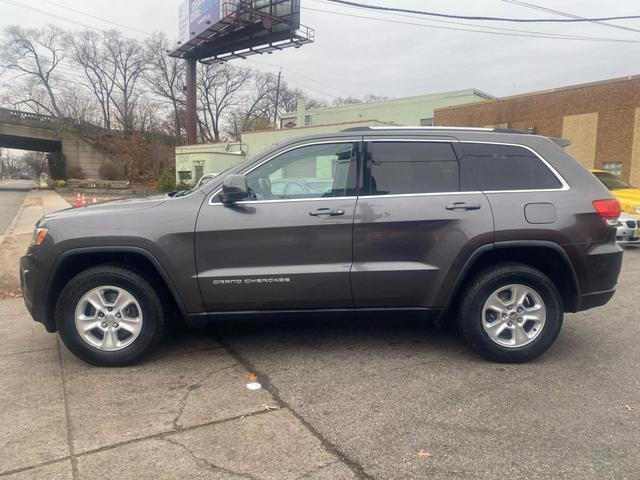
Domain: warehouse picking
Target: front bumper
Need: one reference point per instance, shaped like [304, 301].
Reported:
[32, 272]
[627, 236]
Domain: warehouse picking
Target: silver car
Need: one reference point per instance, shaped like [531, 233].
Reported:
[628, 230]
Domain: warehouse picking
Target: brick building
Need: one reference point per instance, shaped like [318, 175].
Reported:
[602, 120]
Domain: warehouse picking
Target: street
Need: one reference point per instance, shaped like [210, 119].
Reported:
[341, 398]
[12, 194]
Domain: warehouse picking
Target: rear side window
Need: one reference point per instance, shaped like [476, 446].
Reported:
[412, 167]
[507, 167]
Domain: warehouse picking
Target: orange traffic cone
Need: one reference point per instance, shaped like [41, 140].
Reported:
[94, 199]
[84, 199]
[78, 200]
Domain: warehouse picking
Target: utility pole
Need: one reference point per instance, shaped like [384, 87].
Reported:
[192, 113]
[275, 113]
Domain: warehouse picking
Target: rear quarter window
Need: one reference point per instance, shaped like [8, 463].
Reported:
[508, 167]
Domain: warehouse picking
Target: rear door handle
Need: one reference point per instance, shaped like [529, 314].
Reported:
[327, 211]
[463, 206]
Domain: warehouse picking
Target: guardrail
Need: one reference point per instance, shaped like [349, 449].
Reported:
[8, 114]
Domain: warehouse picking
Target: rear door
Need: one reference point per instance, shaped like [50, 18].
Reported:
[285, 248]
[418, 219]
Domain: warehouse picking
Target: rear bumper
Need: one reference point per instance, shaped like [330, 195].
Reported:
[599, 275]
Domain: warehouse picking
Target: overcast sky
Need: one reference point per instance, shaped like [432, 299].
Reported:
[356, 56]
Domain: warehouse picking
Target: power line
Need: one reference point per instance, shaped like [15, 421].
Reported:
[530, 35]
[59, 17]
[294, 73]
[470, 17]
[569, 15]
[96, 17]
[493, 28]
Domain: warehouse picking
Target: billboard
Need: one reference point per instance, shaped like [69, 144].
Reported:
[203, 14]
[215, 28]
[195, 16]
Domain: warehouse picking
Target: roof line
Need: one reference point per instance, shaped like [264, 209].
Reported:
[545, 92]
[475, 91]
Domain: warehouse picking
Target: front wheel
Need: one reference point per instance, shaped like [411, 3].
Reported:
[109, 316]
[511, 313]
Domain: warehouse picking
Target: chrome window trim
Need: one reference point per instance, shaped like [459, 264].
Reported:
[251, 169]
[565, 186]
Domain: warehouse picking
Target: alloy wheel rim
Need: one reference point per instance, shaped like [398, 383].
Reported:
[514, 315]
[108, 318]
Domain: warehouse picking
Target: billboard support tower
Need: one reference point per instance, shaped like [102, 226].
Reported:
[215, 31]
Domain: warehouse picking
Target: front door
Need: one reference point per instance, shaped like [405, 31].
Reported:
[418, 220]
[289, 246]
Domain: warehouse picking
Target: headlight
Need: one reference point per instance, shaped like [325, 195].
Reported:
[39, 234]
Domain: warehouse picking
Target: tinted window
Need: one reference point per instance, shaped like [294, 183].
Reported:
[412, 167]
[313, 171]
[505, 167]
[611, 181]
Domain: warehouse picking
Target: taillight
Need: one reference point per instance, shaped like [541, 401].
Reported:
[609, 210]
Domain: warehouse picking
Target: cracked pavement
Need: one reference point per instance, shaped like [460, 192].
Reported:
[353, 398]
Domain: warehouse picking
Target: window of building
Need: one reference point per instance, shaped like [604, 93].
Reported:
[506, 167]
[426, 122]
[613, 167]
[412, 167]
[184, 175]
[307, 120]
[313, 171]
[199, 171]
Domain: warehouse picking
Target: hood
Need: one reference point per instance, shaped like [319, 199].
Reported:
[123, 205]
[629, 199]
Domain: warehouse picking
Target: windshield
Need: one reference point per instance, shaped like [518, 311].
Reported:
[611, 181]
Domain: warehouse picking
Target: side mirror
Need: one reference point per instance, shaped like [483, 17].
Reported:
[234, 189]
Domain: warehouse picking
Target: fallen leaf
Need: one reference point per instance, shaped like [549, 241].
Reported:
[424, 453]
[629, 408]
[250, 377]
[268, 407]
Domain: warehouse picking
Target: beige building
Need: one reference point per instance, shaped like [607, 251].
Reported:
[602, 120]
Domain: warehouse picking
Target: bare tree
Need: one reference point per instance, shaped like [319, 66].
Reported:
[220, 88]
[36, 162]
[255, 109]
[35, 54]
[127, 61]
[89, 53]
[166, 78]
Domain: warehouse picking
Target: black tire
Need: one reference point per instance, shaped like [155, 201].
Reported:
[483, 286]
[153, 324]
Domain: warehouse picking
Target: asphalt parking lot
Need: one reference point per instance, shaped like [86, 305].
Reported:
[379, 399]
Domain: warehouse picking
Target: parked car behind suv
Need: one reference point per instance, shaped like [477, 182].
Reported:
[505, 232]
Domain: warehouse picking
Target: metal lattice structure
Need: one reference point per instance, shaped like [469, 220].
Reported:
[246, 28]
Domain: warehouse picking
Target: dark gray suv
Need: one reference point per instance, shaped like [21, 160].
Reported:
[498, 231]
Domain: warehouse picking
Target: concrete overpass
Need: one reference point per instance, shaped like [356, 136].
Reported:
[42, 133]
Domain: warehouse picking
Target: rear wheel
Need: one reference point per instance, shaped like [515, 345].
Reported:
[511, 313]
[109, 316]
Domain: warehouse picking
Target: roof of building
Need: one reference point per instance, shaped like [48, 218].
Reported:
[544, 92]
[413, 99]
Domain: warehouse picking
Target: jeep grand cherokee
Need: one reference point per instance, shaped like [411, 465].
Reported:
[502, 231]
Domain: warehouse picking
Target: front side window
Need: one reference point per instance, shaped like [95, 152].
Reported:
[508, 167]
[412, 167]
[312, 171]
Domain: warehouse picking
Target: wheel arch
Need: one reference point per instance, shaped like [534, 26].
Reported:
[548, 257]
[143, 262]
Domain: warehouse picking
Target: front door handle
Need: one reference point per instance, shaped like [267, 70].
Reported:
[327, 211]
[463, 206]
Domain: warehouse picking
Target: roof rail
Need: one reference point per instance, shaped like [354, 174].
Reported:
[563, 142]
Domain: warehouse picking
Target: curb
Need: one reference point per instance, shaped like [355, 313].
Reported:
[14, 221]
